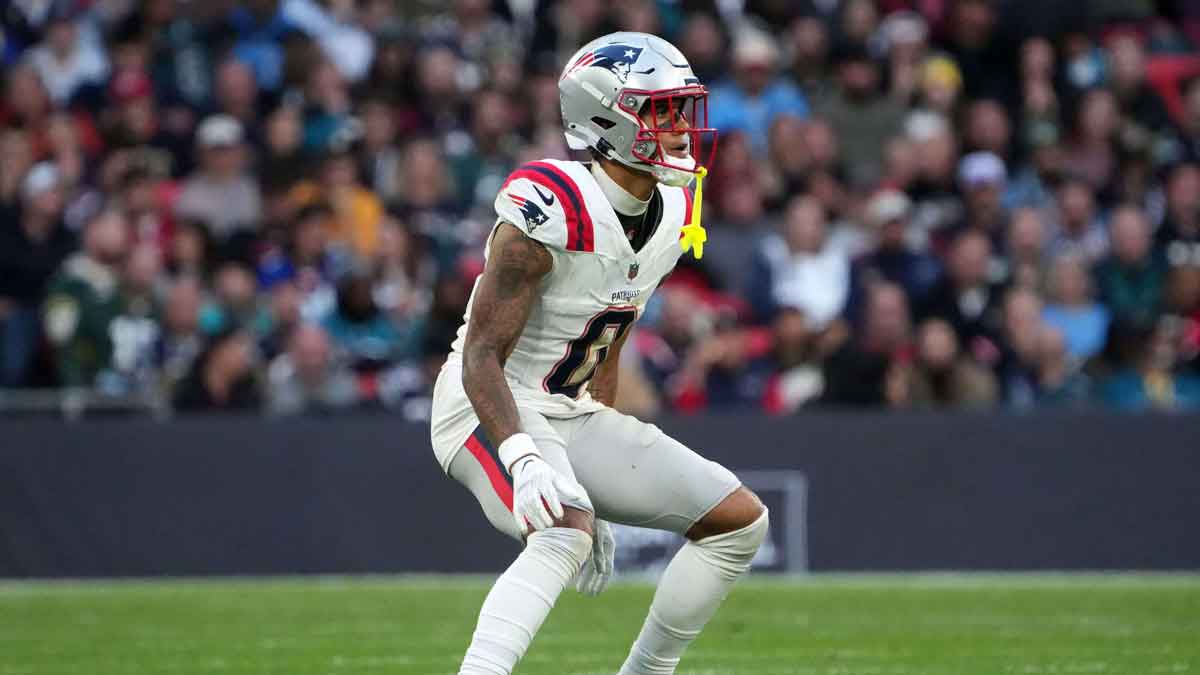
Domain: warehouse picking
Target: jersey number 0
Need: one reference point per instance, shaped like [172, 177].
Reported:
[586, 352]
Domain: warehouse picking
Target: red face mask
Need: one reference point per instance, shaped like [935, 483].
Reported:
[678, 116]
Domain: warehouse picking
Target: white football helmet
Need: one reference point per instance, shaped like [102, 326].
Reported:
[611, 80]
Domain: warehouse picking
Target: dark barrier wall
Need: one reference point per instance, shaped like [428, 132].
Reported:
[359, 494]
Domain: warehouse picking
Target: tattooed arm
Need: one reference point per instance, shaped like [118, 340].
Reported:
[507, 291]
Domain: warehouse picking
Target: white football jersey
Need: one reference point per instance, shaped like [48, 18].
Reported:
[597, 288]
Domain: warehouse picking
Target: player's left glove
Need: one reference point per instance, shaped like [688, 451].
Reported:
[597, 571]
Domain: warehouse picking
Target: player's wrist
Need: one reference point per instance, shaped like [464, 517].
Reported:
[517, 448]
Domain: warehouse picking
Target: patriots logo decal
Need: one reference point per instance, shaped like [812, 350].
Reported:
[616, 59]
[534, 215]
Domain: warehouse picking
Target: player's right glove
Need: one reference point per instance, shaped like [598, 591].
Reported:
[537, 488]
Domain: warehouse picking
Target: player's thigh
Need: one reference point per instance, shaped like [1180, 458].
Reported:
[484, 479]
[478, 467]
[637, 475]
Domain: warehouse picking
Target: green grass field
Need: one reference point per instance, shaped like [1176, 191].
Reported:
[844, 625]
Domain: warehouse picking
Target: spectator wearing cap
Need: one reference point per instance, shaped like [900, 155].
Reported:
[1078, 227]
[893, 259]
[1130, 280]
[1072, 311]
[982, 178]
[755, 95]
[66, 61]
[863, 117]
[798, 268]
[940, 84]
[221, 194]
[33, 244]
[307, 378]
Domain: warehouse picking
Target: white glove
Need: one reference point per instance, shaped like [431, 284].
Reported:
[597, 571]
[537, 487]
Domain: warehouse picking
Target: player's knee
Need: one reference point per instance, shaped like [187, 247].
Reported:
[737, 511]
[563, 548]
[732, 553]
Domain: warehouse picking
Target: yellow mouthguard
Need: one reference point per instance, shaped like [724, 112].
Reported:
[693, 235]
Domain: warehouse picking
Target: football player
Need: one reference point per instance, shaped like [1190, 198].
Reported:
[522, 410]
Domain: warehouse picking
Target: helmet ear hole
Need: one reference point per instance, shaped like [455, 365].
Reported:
[603, 123]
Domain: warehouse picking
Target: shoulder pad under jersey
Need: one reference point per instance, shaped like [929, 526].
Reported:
[544, 202]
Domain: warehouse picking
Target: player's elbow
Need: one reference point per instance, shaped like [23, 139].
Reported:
[478, 357]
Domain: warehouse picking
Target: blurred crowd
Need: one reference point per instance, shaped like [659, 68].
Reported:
[280, 205]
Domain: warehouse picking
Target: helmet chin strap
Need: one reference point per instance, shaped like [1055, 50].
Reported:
[677, 175]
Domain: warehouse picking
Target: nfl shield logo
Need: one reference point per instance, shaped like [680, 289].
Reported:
[633, 270]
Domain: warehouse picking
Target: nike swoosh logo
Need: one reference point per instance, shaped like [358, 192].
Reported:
[545, 200]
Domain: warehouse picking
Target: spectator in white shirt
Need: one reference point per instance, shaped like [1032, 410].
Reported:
[798, 268]
[65, 61]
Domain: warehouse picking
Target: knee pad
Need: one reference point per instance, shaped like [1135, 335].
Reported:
[732, 552]
[564, 548]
